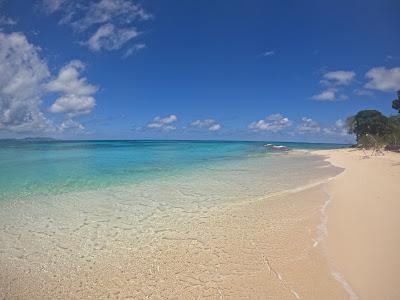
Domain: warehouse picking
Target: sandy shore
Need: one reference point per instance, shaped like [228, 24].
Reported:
[363, 241]
[257, 250]
[275, 247]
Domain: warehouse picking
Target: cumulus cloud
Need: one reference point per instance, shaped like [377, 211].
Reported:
[68, 80]
[24, 80]
[338, 77]
[326, 95]
[382, 79]
[76, 93]
[272, 123]
[165, 123]
[330, 94]
[71, 125]
[308, 125]
[22, 76]
[333, 80]
[109, 23]
[339, 128]
[209, 124]
[214, 127]
[73, 105]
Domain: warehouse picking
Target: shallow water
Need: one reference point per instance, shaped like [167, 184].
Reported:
[79, 206]
[43, 168]
[137, 181]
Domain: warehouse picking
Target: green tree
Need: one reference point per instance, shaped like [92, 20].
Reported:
[396, 102]
[368, 122]
[393, 139]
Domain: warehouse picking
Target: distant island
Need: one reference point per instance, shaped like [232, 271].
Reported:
[31, 139]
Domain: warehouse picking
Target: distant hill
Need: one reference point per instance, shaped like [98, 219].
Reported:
[31, 139]
[39, 139]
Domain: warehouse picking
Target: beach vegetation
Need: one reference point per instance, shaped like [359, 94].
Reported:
[368, 122]
[396, 102]
[374, 129]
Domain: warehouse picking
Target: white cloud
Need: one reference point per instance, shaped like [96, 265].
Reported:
[109, 23]
[71, 125]
[339, 123]
[391, 57]
[363, 92]
[214, 127]
[268, 53]
[273, 123]
[50, 6]
[76, 94]
[22, 76]
[332, 80]
[7, 21]
[109, 38]
[326, 95]
[330, 94]
[134, 49]
[165, 123]
[119, 11]
[383, 79]
[68, 80]
[209, 124]
[73, 105]
[338, 77]
[339, 128]
[24, 80]
[307, 125]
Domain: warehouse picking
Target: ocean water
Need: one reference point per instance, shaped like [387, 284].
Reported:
[81, 218]
[45, 168]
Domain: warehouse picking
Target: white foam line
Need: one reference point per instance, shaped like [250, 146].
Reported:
[290, 190]
[295, 294]
[281, 193]
[339, 277]
[295, 190]
[277, 274]
[323, 226]
[322, 234]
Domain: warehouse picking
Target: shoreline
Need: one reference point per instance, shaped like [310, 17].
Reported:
[362, 227]
[323, 235]
[262, 247]
[285, 245]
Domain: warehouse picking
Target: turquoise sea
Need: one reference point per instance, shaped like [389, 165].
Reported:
[51, 167]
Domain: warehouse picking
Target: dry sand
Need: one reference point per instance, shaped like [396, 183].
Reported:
[363, 241]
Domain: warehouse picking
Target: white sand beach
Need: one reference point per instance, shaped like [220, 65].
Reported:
[363, 222]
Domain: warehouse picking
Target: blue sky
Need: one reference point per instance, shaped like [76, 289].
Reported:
[249, 70]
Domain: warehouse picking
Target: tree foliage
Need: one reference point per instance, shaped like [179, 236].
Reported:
[396, 102]
[373, 129]
[368, 122]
